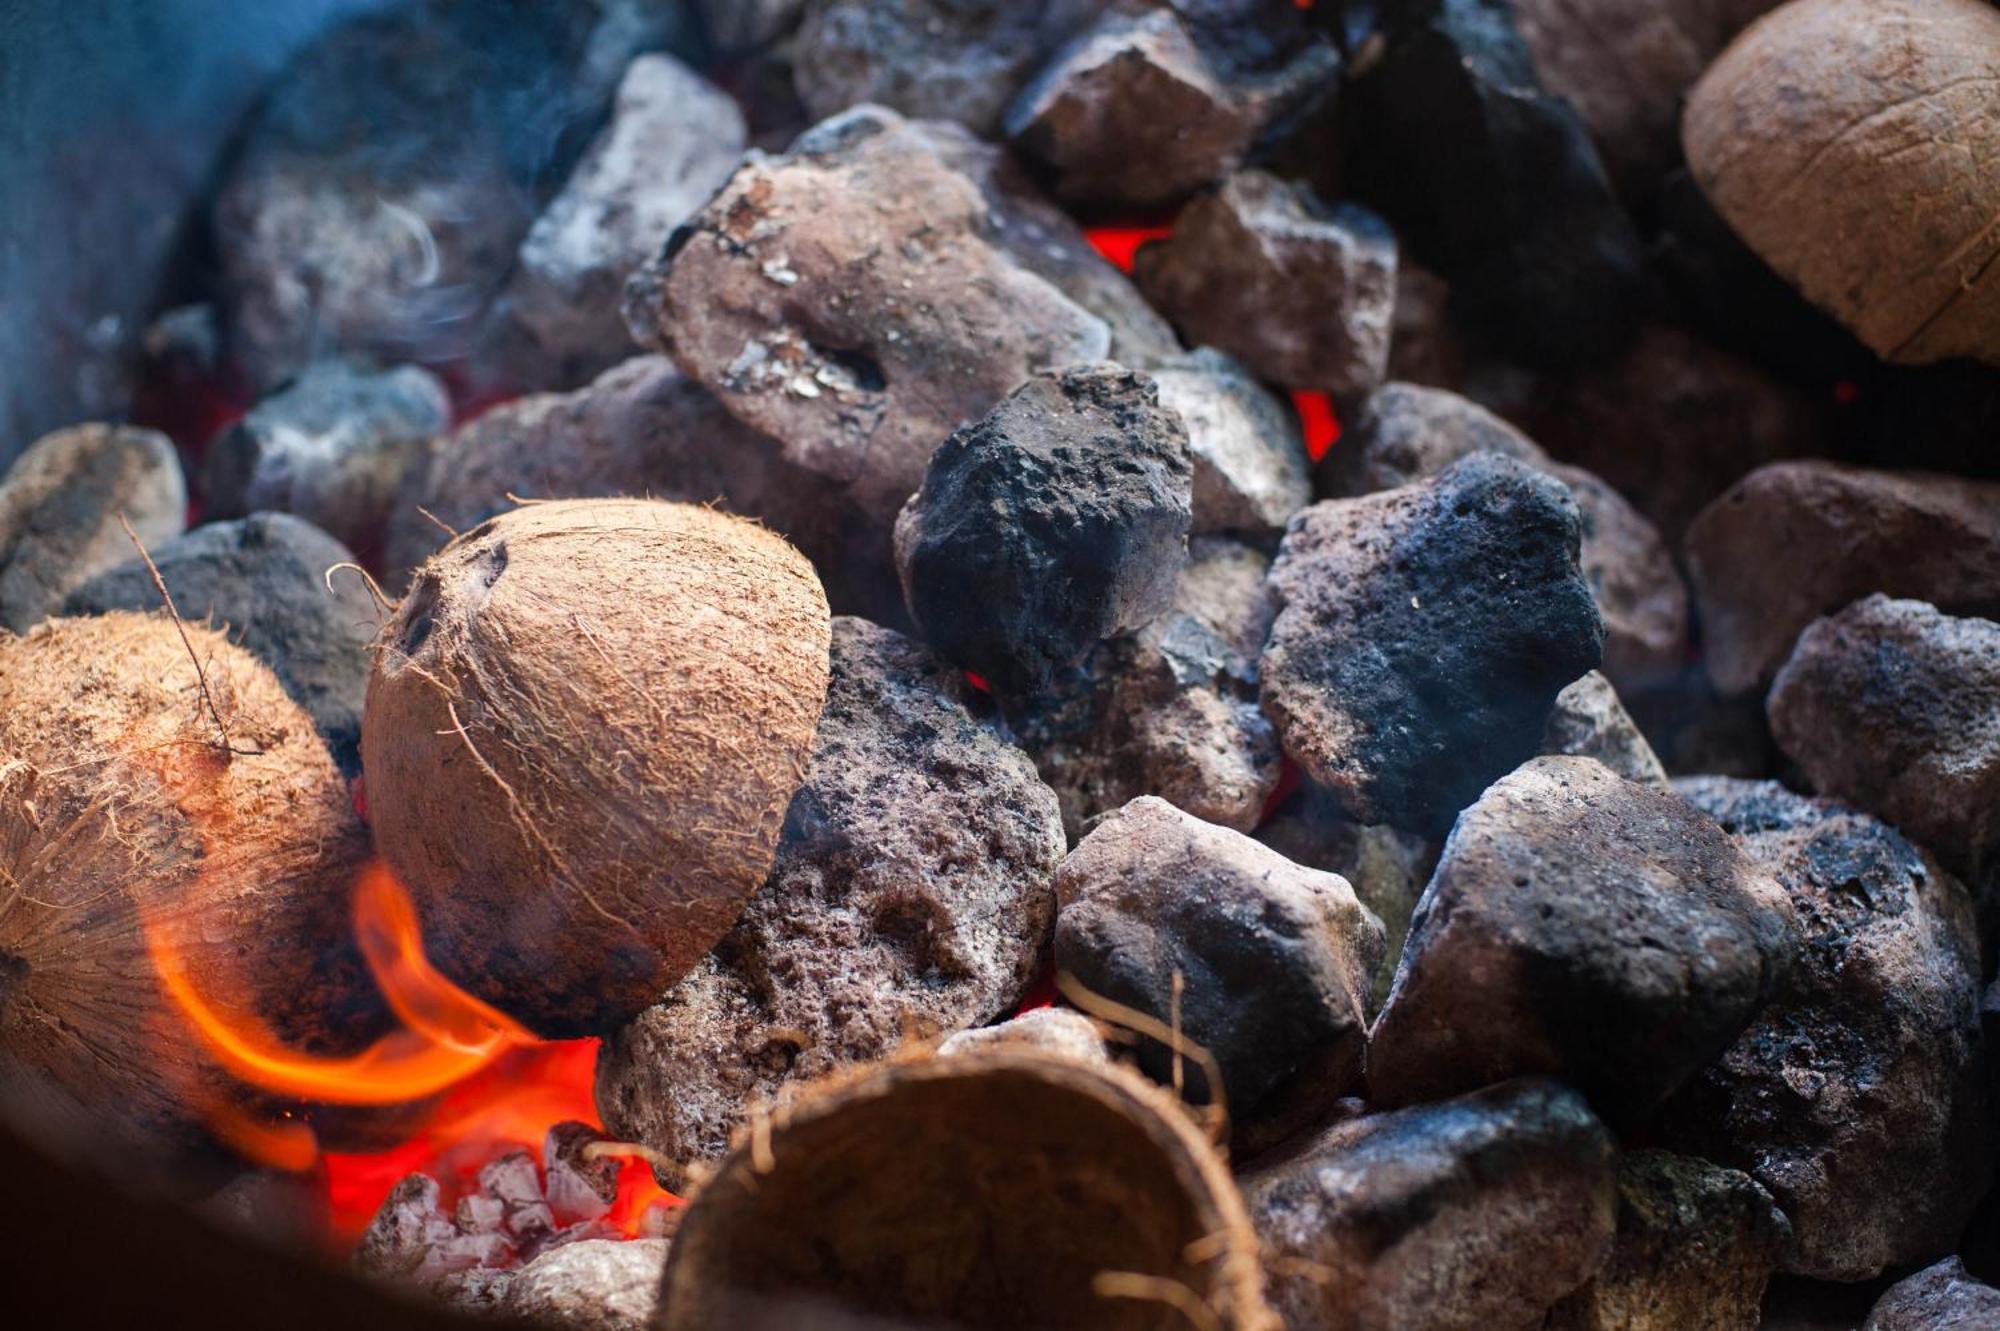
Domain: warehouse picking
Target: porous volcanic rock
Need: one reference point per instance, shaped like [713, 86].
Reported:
[1057, 520]
[1589, 721]
[590, 1285]
[1482, 1211]
[1250, 465]
[1943, 1297]
[1858, 1096]
[1423, 635]
[911, 898]
[1583, 926]
[1053, 1029]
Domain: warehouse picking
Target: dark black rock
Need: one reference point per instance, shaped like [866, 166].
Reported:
[1057, 520]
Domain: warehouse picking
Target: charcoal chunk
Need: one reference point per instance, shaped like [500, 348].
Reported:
[1858, 1096]
[910, 899]
[1943, 1297]
[1589, 721]
[1057, 520]
[1583, 926]
[1482, 1211]
[593, 1285]
[1250, 466]
[1894, 707]
[1300, 292]
[1273, 959]
[1423, 635]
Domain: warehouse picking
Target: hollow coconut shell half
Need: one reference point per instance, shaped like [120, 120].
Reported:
[136, 791]
[1013, 1188]
[583, 728]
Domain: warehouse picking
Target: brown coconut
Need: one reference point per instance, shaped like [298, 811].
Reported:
[583, 728]
[1002, 1188]
[1855, 146]
[133, 787]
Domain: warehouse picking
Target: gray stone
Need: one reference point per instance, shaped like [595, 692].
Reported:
[1944, 1297]
[1590, 722]
[593, 1285]
[1250, 465]
[1056, 1030]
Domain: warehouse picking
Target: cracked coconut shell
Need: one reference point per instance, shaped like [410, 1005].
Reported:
[584, 726]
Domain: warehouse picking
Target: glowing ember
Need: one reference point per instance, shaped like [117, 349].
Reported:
[1120, 243]
[1316, 418]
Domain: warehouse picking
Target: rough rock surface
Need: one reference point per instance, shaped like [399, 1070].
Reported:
[1477, 1212]
[1895, 708]
[1423, 635]
[1796, 540]
[59, 508]
[1944, 1297]
[1057, 520]
[335, 446]
[1858, 1096]
[740, 25]
[592, 1285]
[1057, 1030]
[1250, 465]
[1302, 293]
[1590, 722]
[1274, 959]
[1170, 710]
[911, 898]
[264, 581]
[1583, 926]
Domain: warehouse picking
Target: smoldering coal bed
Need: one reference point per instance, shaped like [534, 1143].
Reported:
[941, 663]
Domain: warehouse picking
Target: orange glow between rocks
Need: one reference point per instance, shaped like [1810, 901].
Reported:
[1316, 418]
[1120, 243]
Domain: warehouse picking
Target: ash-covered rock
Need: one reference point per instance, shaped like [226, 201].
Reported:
[911, 898]
[1273, 959]
[1300, 292]
[1056, 521]
[334, 446]
[1056, 1030]
[1943, 1297]
[1250, 465]
[1423, 635]
[1894, 707]
[59, 508]
[1583, 926]
[1170, 710]
[264, 580]
[590, 1285]
[1858, 1096]
[1796, 540]
[1483, 1211]
[1589, 721]
[1695, 1248]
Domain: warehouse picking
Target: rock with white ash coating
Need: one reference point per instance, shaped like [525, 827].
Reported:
[1053, 1029]
[590, 1285]
[1250, 465]
[1695, 1248]
[1055, 521]
[1586, 927]
[1423, 635]
[1943, 1297]
[59, 509]
[334, 446]
[1300, 292]
[1482, 1211]
[1796, 540]
[1894, 707]
[1858, 1097]
[910, 898]
[1589, 721]
[1170, 710]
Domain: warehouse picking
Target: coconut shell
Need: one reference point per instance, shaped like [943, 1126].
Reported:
[584, 726]
[118, 797]
[1003, 1188]
[1855, 146]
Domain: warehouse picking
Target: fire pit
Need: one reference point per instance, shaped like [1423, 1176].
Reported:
[1218, 664]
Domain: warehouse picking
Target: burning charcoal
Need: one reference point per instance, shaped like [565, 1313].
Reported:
[1134, 114]
[1425, 346]
[1170, 710]
[1053, 1030]
[1895, 707]
[1261, 962]
[1858, 1096]
[673, 139]
[515, 1181]
[1423, 635]
[1590, 722]
[910, 898]
[1944, 1297]
[578, 1187]
[1797, 540]
[1696, 1244]
[1046, 1192]
[1494, 183]
[1056, 521]
[1405, 433]
[1587, 927]
[59, 508]
[938, 59]
[406, 1229]
[1300, 292]
[742, 25]
[265, 583]
[332, 447]
[596, 1285]
[1250, 466]
[1481, 1211]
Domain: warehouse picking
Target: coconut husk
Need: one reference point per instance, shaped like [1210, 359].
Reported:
[584, 726]
[1004, 1188]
